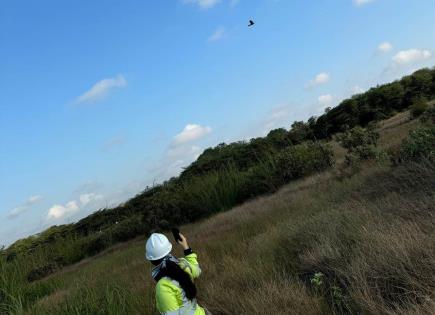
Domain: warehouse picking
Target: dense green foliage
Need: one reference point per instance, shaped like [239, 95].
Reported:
[360, 143]
[418, 107]
[222, 177]
[419, 145]
[358, 137]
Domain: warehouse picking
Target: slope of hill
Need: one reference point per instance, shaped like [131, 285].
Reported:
[319, 239]
[241, 170]
[332, 243]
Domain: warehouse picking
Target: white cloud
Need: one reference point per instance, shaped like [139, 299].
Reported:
[191, 133]
[59, 211]
[385, 47]
[17, 211]
[218, 34]
[357, 90]
[34, 199]
[176, 153]
[90, 197]
[406, 57]
[203, 4]
[321, 78]
[278, 117]
[100, 89]
[180, 157]
[360, 3]
[325, 100]
[180, 152]
[174, 160]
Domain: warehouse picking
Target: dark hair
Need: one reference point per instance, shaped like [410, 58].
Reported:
[174, 272]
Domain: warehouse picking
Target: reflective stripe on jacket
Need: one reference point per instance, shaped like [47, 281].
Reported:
[170, 297]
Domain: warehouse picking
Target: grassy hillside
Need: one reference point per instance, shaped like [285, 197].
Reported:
[338, 242]
[228, 175]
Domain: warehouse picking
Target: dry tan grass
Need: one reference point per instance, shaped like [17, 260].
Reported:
[393, 136]
[395, 121]
[256, 257]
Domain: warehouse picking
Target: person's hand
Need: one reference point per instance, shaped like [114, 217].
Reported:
[183, 242]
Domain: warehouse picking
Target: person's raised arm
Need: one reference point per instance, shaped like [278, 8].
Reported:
[190, 256]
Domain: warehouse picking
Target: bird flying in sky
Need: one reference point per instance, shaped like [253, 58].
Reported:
[251, 23]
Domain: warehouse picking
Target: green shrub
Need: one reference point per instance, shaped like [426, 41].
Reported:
[361, 144]
[428, 116]
[420, 144]
[418, 107]
[42, 271]
[260, 179]
[95, 244]
[210, 193]
[366, 152]
[126, 229]
[357, 137]
[304, 159]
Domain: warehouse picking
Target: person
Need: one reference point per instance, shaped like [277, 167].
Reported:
[175, 289]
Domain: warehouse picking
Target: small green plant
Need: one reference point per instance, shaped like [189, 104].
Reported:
[333, 293]
[337, 295]
[317, 280]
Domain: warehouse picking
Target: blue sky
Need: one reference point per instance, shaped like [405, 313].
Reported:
[100, 98]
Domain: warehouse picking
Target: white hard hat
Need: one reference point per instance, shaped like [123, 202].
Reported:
[157, 247]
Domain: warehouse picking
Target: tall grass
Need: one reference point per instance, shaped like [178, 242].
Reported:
[323, 245]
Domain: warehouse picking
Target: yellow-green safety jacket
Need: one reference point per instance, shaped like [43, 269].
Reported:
[170, 297]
